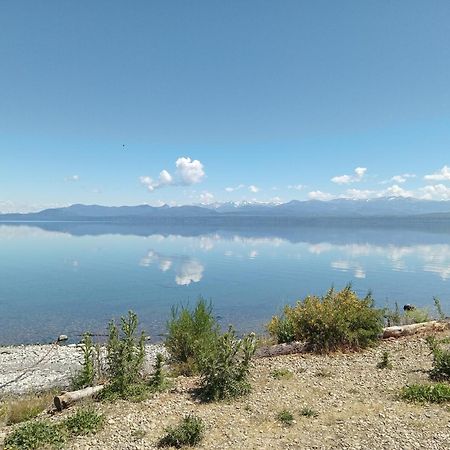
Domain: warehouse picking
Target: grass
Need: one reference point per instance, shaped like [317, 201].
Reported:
[26, 408]
[285, 417]
[189, 432]
[432, 393]
[34, 435]
[308, 412]
[85, 421]
[281, 374]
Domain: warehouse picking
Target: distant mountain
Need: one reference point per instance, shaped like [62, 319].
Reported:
[339, 208]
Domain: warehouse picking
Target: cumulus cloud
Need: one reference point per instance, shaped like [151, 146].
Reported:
[235, 188]
[187, 172]
[253, 188]
[402, 178]
[72, 178]
[206, 198]
[319, 195]
[440, 175]
[435, 192]
[346, 179]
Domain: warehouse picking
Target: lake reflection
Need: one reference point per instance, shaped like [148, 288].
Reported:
[69, 278]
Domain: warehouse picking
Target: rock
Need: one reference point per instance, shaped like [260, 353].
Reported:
[62, 338]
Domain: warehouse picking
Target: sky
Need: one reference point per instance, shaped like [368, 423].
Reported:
[210, 101]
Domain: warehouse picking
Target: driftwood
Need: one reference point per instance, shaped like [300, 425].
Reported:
[407, 330]
[69, 398]
[280, 349]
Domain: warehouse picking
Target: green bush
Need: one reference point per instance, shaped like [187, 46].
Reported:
[394, 317]
[441, 359]
[158, 381]
[84, 421]
[85, 377]
[33, 435]
[125, 356]
[337, 321]
[282, 329]
[225, 367]
[187, 433]
[433, 393]
[190, 334]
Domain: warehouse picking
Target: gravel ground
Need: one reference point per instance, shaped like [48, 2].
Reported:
[357, 407]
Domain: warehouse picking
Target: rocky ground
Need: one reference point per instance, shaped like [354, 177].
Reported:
[357, 407]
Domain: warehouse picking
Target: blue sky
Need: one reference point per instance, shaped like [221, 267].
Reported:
[272, 100]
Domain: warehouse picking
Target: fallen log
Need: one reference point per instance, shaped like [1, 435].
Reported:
[408, 330]
[69, 398]
[281, 349]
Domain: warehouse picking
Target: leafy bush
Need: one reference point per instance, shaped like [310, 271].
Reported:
[125, 356]
[433, 393]
[385, 362]
[282, 328]
[439, 310]
[285, 417]
[85, 377]
[339, 320]
[33, 435]
[441, 359]
[190, 333]
[394, 317]
[188, 432]
[84, 421]
[225, 367]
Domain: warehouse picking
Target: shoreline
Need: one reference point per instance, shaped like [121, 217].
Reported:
[39, 367]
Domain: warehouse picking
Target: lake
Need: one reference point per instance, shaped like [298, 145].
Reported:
[67, 278]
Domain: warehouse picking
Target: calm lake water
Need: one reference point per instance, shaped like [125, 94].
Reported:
[69, 278]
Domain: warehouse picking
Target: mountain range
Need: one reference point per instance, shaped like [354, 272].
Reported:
[309, 209]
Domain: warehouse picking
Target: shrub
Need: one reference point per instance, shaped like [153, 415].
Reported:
[439, 310]
[433, 393]
[285, 417]
[224, 370]
[159, 381]
[339, 320]
[441, 359]
[84, 421]
[308, 412]
[33, 435]
[125, 356]
[281, 374]
[385, 362]
[282, 328]
[393, 317]
[85, 377]
[190, 333]
[26, 408]
[188, 432]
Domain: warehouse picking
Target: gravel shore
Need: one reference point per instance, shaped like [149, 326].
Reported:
[357, 406]
[28, 368]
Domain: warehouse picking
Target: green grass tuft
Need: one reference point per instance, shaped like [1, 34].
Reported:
[432, 393]
[189, 432]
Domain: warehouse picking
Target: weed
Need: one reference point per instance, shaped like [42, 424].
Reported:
[26, 408]
[190, 333]
[282, 328]
[285, 417]
[417, 315]
[281, 374]
[188, 432]
[441, 359]
[439, 310]
[85, 377]
[84, 421]
[338, 320]
[125, 355]
[385, 362]
[33, 435]
[308, 412]
[224, 370]
[159, 381]
[433, 393]
[324, 373]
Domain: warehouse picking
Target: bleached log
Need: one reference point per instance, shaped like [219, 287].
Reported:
[407, 330]
[69, 398]
[281, 349]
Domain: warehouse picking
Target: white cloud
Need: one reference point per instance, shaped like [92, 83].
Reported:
[72, 178]
[346, 179]
[395, 191]
[188, 172]
[440, 175]
[235, 188]
[253, 188]
[435, 192]
[359, 194]
[191, 271]
[206, 198]
[297, 187]
[402, 178]
[319, 195]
